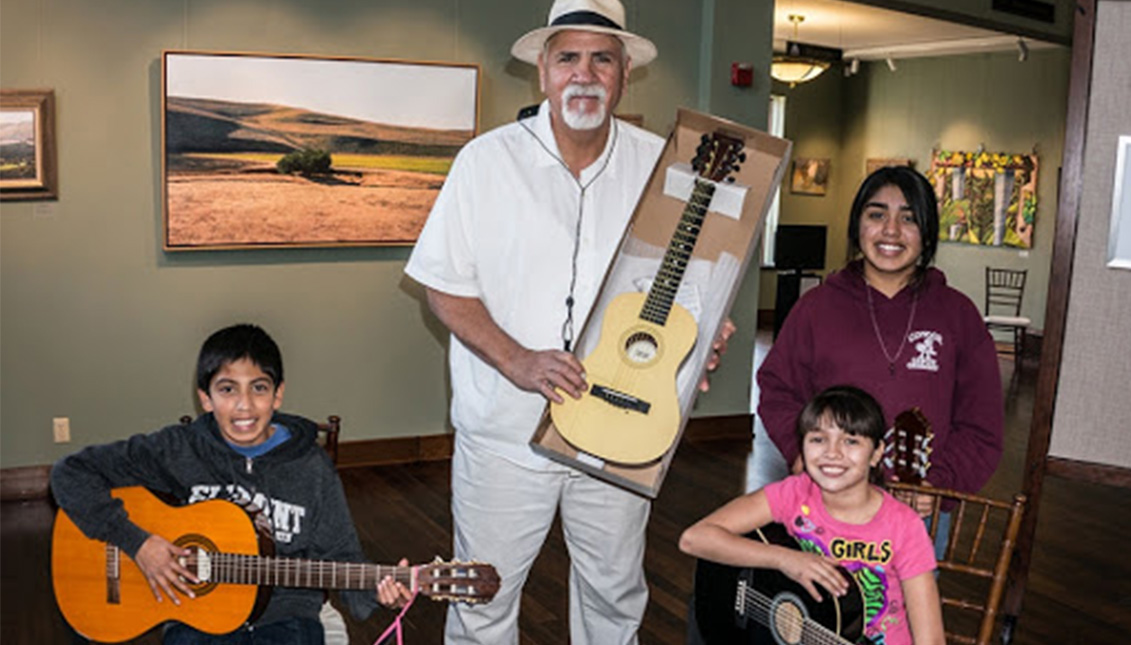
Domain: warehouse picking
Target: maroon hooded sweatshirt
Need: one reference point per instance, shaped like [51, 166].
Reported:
[947, 367]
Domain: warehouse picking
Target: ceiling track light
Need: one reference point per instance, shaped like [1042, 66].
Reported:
[1022, 50]
[891, 63]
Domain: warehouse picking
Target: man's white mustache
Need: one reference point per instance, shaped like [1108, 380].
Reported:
[584, 91]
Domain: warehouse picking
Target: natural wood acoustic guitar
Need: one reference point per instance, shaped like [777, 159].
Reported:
[105, 597]
[630, 413]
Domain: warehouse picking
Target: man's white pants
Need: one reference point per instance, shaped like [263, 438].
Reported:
[502, 513]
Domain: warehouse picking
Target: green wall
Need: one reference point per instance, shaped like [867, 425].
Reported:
[98, 324]
[958, 103]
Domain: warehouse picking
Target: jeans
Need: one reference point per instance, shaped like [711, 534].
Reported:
[295, 631]
[943, 534]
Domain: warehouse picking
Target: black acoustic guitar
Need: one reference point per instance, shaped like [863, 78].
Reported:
[734, 606]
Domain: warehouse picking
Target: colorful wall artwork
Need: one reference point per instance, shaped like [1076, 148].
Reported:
[985, 198]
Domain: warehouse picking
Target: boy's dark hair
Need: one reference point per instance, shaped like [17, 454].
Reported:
[234, 343]
[920, 196]
[850, 408]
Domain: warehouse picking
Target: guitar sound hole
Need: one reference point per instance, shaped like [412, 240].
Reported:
[197, 542]
[788, 620]
[641, 348]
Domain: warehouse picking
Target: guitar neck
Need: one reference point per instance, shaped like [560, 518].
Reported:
[234, 568]
[666, 285]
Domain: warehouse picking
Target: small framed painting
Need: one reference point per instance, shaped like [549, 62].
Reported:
[28, 167]
[809, 177]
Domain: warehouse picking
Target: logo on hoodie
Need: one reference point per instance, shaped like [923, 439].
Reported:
[926, 344]
[286, 518]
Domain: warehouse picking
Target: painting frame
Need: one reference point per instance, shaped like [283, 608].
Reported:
[27, 119]
[262, 150]
[809, 176]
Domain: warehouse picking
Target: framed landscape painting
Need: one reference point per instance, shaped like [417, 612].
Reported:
[268, 151]
[28, 167]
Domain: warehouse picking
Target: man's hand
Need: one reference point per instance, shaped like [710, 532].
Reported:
[717, 350]
[810, 569]
[158, 560]
[545, 372]
[391, 593]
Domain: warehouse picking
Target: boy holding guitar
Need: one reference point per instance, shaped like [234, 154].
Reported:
[241, 450]
[870, 551]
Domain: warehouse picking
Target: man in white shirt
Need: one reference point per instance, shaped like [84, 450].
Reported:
[512, 258]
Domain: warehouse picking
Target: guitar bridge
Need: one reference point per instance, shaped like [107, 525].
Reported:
[620, 399]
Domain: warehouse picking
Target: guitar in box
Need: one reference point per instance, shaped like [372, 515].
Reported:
[631, 412]
[735, 606]
[105, 597]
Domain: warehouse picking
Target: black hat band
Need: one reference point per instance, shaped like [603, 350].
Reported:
[590, 18]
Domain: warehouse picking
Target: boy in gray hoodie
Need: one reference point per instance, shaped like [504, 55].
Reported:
[242, 450]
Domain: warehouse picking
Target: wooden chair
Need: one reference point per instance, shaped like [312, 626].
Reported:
[972, 572]
[1004, 291]
[327, 434]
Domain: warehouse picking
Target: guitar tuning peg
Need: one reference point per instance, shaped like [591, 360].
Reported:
[730, 180]
[705, 138]
[742, 157]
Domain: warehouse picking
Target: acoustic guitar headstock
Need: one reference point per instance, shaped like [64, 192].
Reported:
[718, 156]
[469, 582]
[907, 446]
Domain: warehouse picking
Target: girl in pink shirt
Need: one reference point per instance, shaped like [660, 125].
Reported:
[840, 520]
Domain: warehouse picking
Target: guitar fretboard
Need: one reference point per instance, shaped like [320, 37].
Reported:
[234, 568]
[666, 285]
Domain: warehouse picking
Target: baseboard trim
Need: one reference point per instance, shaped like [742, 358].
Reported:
[30, 482]
[24, 483]
[395, 450]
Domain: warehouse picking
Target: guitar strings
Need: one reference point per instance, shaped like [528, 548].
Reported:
[254, 569]
[817, 634]
[664, 291]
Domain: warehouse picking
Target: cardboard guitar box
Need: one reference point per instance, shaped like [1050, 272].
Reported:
[708, 280]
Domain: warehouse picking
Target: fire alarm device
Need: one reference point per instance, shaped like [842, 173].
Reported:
[742, 74]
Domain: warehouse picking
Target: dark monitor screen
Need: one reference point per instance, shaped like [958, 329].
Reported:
[799, 247]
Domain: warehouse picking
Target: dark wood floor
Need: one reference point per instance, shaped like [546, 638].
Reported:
[1079, 591]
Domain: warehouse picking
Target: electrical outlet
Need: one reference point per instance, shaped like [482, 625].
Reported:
[62, 429]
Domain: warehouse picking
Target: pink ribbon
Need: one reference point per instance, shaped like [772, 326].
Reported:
[396, 624]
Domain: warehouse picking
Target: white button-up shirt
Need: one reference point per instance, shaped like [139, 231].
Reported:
[502, 230]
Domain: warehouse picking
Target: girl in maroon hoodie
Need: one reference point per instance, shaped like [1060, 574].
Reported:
[889, 324]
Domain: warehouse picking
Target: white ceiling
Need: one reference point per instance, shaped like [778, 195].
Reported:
[871, 33]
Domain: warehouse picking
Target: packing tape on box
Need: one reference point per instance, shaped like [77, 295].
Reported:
[679, 182]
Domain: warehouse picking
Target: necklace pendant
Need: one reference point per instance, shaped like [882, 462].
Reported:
[891, 369]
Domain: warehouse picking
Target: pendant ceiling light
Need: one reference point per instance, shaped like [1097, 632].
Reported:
[793, 67]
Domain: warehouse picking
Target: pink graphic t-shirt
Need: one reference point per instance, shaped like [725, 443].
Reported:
[893, 546]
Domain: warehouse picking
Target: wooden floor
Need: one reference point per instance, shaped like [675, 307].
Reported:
[1079, 591]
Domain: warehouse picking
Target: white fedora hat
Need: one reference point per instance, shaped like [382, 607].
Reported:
[599, 16]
